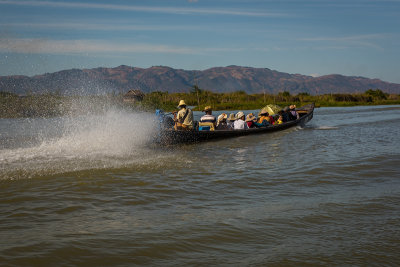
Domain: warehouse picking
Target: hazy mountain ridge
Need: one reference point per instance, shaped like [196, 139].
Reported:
[162, 78]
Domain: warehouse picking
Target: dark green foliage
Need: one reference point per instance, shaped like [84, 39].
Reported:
[48, 105]
[285, 94]
[303, 94]
[376, 94]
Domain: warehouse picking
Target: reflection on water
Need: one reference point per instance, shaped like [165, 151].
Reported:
[240, 158]
[88, 191]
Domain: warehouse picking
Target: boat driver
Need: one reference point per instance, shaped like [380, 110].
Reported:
[184, 117]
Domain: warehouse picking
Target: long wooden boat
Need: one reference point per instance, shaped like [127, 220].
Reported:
[170, 136]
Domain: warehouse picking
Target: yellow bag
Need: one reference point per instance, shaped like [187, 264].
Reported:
[180, 126]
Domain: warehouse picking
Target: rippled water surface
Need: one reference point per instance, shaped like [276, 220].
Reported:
[88, 191]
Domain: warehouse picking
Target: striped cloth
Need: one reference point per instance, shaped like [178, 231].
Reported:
[208, 118]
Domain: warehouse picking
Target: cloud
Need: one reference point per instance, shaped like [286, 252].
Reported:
[345, 38]
[150, 9]
[44, 46]
[366, 40]
[101, 26]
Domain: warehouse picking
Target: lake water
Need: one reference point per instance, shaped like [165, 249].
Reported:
[88, 191]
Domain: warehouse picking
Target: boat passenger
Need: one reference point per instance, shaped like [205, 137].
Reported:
[184, 117]
[271, 119]
[285, 114]
[264, 118]
[231, 119]
[294, 112]
[280, 120]
[251, 121]
[221, 122]
[207, 122]
[208, 117]
[239, 123]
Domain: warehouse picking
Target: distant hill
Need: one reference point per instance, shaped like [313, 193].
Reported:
[161, 78]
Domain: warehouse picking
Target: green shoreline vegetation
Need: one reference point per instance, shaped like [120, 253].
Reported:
[51, 105]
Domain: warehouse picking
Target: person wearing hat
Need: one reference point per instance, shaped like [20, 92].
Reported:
[264, 118]
[208, 117]
[287, 115]
[239, 123]
[231, 119]
[221, 122]
[184, 117]
[294, 112]
[251, 120]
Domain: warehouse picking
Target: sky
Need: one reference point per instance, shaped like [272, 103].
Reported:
[310, 37]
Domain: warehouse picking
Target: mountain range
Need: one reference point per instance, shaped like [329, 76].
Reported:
[161, 78]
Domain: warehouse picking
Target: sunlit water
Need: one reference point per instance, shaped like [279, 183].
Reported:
[89, 191]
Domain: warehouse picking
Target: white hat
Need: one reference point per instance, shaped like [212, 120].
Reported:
[231, 117]
[222, 116]
[239, 115]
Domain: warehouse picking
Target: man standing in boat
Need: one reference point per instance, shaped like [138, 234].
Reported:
[184, 118]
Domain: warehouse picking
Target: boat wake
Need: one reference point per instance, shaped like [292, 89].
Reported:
[327, 128]
[111, 140]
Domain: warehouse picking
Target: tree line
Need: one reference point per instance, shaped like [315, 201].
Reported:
[241, 100]
[50, 105]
